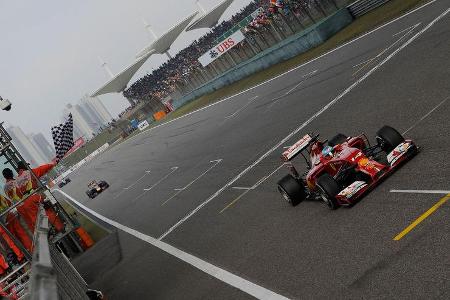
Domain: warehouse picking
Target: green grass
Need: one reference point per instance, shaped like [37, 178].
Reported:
[381, 15]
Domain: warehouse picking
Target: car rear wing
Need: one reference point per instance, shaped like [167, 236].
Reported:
[298, 147]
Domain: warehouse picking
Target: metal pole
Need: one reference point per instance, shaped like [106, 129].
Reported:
[252, 46]
[231, 58]
[105, 66]
[214, 67]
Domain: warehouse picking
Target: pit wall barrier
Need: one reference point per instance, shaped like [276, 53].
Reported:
[286, 49]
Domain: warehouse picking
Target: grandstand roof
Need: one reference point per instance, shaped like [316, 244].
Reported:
[119, 82]
[211, 18]
[162, 44]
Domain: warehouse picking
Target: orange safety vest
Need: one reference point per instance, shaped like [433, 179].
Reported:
[11, 191]
[25, 183]
[4, 203]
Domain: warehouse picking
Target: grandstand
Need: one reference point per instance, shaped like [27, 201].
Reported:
[264, 24]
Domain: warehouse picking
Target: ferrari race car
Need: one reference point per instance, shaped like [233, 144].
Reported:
[95, 188]
[340, 171]
[64, 182]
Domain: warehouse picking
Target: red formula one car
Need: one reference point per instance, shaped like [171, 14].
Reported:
[343, 169]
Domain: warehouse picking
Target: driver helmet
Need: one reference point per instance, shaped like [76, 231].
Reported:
[327, 152]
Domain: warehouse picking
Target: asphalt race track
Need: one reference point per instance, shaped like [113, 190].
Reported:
[226, 159]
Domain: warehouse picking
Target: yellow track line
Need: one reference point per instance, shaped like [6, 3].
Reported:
[421, 218]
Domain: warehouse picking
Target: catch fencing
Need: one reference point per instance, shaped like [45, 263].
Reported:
[362, 7]
[53, 277]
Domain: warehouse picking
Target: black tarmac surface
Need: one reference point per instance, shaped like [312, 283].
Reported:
[303, 252]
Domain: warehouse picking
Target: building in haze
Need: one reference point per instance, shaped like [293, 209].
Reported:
[43, 145]
[83, 125]
[89, 116]
[99, 109]
[26, 147]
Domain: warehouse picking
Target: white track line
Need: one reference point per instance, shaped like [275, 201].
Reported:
[161, 180]
[216, 162]
[289, 71]
[298, 129]
[247, 190]
[425, 116]
[421, 191]
[369, 61]
[400, 32]
[139, 179]
[242, 108]
[306, 76]
[130, 186]
[227, 277]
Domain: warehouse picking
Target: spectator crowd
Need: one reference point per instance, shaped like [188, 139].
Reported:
[163, 81]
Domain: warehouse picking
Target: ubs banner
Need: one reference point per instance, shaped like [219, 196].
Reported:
[222, 48]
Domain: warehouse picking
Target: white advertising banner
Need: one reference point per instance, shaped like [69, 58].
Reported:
[143, 125]
[222, 48]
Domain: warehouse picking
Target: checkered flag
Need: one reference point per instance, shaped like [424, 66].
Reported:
[63, 137]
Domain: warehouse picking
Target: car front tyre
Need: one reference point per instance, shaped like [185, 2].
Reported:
[329, 189]
[388, 138]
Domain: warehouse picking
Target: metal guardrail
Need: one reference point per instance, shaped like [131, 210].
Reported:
[362, 7]
[53, 277]
[43, 278]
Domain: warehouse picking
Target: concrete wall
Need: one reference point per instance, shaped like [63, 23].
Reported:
[286, 49]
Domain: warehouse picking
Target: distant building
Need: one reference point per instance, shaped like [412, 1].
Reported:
[102, 114]
[81, 120]
[77, 133]
[43, 145]
[89, 116]
[26, 147]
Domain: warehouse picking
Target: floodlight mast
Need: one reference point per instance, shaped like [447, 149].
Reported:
[202, 9]
[106, 67]
[149, 29]
[155, 36]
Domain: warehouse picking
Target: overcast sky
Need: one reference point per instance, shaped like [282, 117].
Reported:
[49, 50]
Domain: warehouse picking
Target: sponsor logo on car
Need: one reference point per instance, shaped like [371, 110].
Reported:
[398, 152]
[297, 147]
[352, 189]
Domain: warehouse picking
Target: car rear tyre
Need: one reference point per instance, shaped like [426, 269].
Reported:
[337, 139]
[388, 138]
[329, 189]
[291, 190]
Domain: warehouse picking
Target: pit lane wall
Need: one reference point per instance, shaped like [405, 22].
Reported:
[286, 49]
